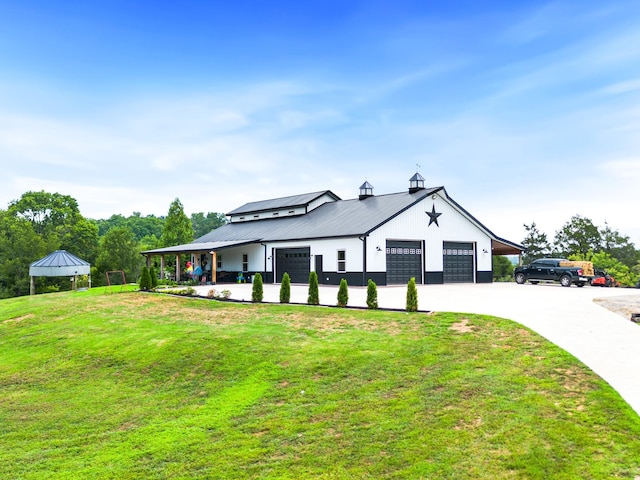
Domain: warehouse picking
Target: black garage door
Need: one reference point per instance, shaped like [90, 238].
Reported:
[457, 262]
[294, 261]
[404, 260]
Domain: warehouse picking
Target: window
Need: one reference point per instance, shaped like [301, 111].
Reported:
[245, 262]
[219, 261]
[342, 261]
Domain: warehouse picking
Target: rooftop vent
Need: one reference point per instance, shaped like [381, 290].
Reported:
[366, 190]
[416, 183]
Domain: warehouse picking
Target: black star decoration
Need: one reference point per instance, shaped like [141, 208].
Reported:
[433, 216]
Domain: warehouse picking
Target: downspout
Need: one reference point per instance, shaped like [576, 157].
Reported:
[265, 260]
[364, 259]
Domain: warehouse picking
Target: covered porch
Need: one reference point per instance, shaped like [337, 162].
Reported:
[205, 261]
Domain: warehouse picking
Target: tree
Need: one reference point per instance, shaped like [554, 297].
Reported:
[256, 289]
[502, 268]
[578, 236]
[619, 246]
[145, 279]
[203, 224]
[314, 295]
[119, 250]
[372, 295]
[57, 219]
[20, 245]
[285, 289]
[343, 293]
[412, 296]
[177, 226]
[46, 211]
[80, 238]
[536, 243]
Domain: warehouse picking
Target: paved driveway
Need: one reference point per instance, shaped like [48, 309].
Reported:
[605, 341]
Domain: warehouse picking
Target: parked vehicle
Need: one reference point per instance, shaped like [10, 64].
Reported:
[555, 270]
[603, 279]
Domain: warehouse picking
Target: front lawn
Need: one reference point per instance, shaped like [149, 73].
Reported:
[133, 385]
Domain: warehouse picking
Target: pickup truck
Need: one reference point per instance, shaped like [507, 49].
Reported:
[552, 270]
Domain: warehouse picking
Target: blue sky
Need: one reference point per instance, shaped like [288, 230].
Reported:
[524, 111]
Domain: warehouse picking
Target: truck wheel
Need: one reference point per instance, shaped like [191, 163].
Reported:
[565, 281]
[520, 278]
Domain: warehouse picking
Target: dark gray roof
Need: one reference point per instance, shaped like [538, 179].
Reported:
[59, 264]
[283, 202]
[59, 258]
[343, 218]
[198, 246]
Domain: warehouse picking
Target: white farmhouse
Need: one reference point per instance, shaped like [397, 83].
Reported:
[421, 233]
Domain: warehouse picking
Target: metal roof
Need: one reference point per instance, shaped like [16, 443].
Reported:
[59, 264]
[201, 246]
[343, 218]
[283, 202]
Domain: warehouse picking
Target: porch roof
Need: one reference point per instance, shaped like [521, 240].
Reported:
[199, 247]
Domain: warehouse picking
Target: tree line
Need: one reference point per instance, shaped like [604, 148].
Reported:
[581, 239]
[41, 222]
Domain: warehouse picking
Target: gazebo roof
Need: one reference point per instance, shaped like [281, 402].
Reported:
[59, 264]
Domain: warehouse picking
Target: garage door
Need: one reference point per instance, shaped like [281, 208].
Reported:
[294, 261]
[404, 260]
[458, 262]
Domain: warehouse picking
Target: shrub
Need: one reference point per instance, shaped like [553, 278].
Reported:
[257, 290]
[343, 293]
[412, 296]
[154, 278]
[314, 295]
[145, 280]
[285, 288]
[372, 294]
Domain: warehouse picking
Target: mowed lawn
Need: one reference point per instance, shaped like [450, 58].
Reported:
[133, 385]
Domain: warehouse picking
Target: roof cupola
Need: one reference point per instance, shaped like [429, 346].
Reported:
[366, 190]
[416, 183]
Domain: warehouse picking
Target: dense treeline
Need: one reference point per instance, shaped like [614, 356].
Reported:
[41, 222]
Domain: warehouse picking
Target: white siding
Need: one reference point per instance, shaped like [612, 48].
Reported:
[320, 201]
[413, 224]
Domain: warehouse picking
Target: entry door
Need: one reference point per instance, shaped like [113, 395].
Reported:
[458, 262]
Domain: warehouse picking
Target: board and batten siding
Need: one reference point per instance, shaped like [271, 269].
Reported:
[413, 224]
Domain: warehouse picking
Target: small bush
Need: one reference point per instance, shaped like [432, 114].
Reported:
[185, 292]
[145, 280]
[154, 278]
[257, 290]
[314, 295]
[372, 295]
[285, 288]
[412, 296]
[343, 293]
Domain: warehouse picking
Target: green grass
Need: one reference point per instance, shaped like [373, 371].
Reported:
[132, 385]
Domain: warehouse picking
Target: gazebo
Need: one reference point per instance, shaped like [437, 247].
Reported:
[58, 264]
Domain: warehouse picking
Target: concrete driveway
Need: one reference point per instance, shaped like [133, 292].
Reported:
[606, 342]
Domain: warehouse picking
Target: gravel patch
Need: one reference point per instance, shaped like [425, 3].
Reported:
[624, 305]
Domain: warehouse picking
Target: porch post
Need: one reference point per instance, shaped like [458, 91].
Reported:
[213, 267]
[162, 267]
[178, 267]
